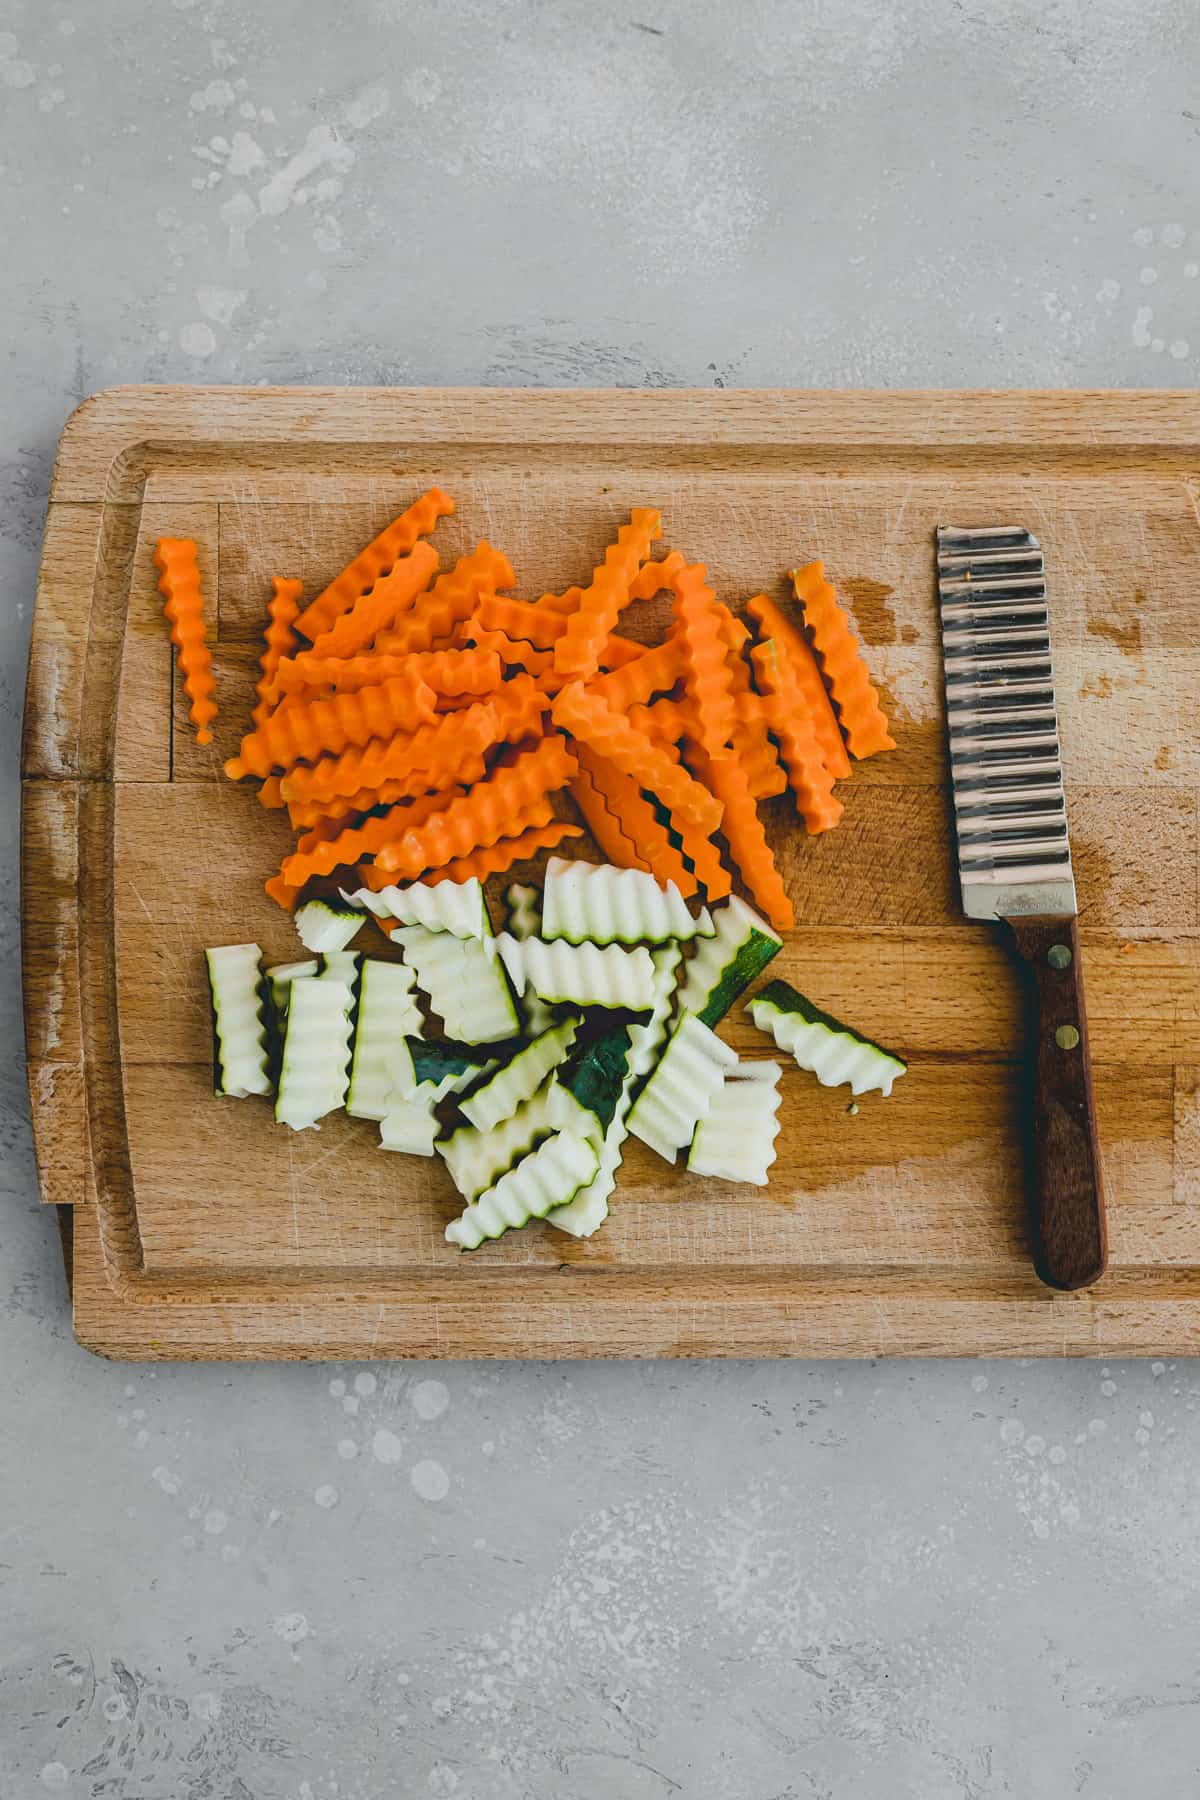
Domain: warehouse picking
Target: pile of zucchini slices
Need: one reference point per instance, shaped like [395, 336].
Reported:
[577, 1025]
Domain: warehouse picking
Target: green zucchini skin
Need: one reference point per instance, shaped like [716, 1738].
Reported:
[596, 1075]
[780, 1002]
[747, 966]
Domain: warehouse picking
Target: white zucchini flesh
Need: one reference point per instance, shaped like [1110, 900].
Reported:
[280, 979]
[518, 1080]
[464, 984]
[599, 904]
[523, 919]
[410, 1122]
[315, 1072]
[679, 1093]
[549, 1176]
[579, 974]
[588, 1210]
[325, 925]
[831, 1051]
[387, 1014]
[458, 907]
[474, 1159]
[723, 967]
[735, 1140]
[235, 981]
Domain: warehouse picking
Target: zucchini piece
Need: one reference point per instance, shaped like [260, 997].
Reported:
[279, 985]
[579, 974]
[831, 1051]
[500, 1096]
[725, 966]
[475, 1159]
[315, 1072]
[326, 925]
[599, 904]
[424, 1073]
[595, 1076]
[735, 1140]
[458, 907]
[463, 981]
[549, 1176]
[240, 1062]
[342, 965]
[387, 1015]
[679, 1093]
[589, 1209]
[523, 919]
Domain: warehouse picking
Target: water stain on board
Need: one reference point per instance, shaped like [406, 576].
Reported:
[1125, 633]
[876, 620]
[1096, 687]
[1165, 758]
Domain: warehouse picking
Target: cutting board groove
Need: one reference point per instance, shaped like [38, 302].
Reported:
[200, 1229]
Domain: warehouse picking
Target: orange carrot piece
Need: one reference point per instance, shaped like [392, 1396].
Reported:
[269, 794]
[566, 602]
[487, 813]
[413, 757]
[379, 556]
[839, 653]
[697, 846]
[519, 620]
[656, 577]
[183, 604]
[431, 623]
[446, 671]
[505, 852]
[751, 738]
[791, 723]
[278, 639]
[771, 622]
[589, 718]
[747, 841]
[629, 817]
[517, 653]
[320, 855]
[708, 680]
[639, 680]
[733, 631]
[579, 650]
[343, 810]
[377, 610]
[612, 839]
[284, 895]
[302, 731]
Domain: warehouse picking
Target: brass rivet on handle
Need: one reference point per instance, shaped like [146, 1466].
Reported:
[1067, 1037]
[1059, 956]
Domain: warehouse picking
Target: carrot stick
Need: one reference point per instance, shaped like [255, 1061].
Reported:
[269, 794]
[708, 680]
[579, 649]
[379, 556]
[414, 757]
[612, 839]
[747, 841]
[282, 610]
[179, 582]
[446, 671]
[302, 731]
[771, 622]
[791, 723]
[863, 720]
[656, 577]
[616, 809]
[589, 718]
[453, 597]
[490, 811]
[506, 851]
[343, 810]
[637, 681]
[377, 609]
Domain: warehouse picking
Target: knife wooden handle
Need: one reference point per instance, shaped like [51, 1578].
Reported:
[1066, 1196]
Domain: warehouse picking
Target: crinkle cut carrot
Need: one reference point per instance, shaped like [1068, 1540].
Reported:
[395, 541]
[269, 794]
[579, 650]
[517, 653]
[639, 680]
[589, 718]
[791, 723]
[392, 595]
[611, 838]
[283, 895]
[278, 639]
[304, 814]
[446, 671]
[629, 817]
[453, 597]
[566, 602]
[298, 731]
[748, 846]
[771, 622]
[656, 577]
[414, 757]
[486, 813]
[703, 856]
[751, 738]
[183, 604]
[708, 679]
[863, 720]
[324, 855]
[505, 852]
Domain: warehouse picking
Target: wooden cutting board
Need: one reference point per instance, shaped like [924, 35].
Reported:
[202, 1230]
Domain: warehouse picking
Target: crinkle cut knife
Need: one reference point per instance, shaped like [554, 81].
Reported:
[1014, 861]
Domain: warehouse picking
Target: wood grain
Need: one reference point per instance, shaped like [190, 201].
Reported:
[201, 1229]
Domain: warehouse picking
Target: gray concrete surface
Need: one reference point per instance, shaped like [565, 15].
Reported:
[728, 1583]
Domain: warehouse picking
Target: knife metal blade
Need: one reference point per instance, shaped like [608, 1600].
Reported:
[1014, 859]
